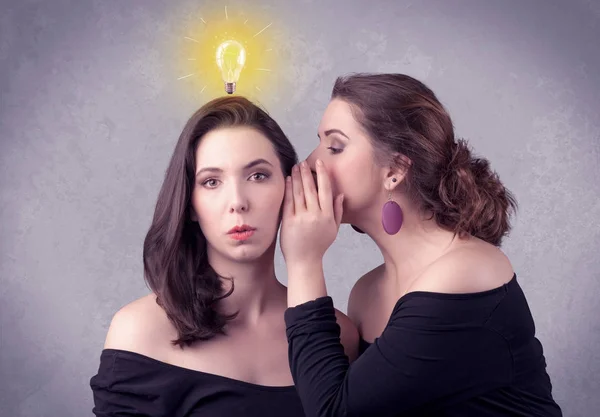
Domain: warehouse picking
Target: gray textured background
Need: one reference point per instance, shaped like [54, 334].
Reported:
[90, 110]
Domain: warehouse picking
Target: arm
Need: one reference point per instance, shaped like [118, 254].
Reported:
[300, 290]
[414, 363]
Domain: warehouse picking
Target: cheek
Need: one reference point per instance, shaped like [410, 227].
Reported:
[269, 200]
[206, 213]
[336, 177]
[350, 174]
[266, 208]
[353, 176]
[265, 198]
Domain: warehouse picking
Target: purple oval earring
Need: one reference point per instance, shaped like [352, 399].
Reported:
[391, 216]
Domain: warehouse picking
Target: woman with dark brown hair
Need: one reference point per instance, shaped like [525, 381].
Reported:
[445, 327]
[210, 338]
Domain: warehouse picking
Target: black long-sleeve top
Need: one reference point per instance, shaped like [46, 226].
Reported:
[133, 385]
[440, 355]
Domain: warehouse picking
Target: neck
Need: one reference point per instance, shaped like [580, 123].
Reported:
[255, 286]
[418, 243]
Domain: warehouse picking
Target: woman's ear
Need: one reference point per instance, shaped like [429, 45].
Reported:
[397, 171]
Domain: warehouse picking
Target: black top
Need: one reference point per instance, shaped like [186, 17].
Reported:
[439, 355]
[362, 346]
[130, 384]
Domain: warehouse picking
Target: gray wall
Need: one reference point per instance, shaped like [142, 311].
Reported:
[90, 108]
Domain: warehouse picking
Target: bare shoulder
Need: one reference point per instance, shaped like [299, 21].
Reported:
[361, 292]
[473, 266]
[141, 326]
[348, 335]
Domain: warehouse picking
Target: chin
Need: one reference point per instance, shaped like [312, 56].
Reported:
[247, 253]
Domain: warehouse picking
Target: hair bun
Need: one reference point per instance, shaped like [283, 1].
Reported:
[475, 200]
[461, 155]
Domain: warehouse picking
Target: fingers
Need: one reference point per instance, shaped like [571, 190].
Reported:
[325, 193]
[310, 190]
[298, 190]
[288, 199]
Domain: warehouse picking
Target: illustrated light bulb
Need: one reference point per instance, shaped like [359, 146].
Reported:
[231, 57]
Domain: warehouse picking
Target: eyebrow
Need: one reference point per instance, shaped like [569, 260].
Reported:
[330, 131]
[247, 166]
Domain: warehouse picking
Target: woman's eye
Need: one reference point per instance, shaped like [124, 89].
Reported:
[210, 183]
[259, 176]
[334, 150]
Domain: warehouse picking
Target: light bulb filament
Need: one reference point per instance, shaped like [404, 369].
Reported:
[231, 58]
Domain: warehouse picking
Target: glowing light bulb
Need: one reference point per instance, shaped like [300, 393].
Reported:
[231, 57]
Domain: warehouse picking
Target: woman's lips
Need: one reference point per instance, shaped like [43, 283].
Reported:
[242, 232]
[241, 235]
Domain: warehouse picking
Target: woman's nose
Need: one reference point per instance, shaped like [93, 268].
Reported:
[239, 201]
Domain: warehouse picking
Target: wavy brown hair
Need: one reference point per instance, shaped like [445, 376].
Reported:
[403, 116]
[176, 267]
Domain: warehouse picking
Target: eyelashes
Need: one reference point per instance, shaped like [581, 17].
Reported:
[206, 183]
[264, 176]
[212, 183]
[334, 151]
